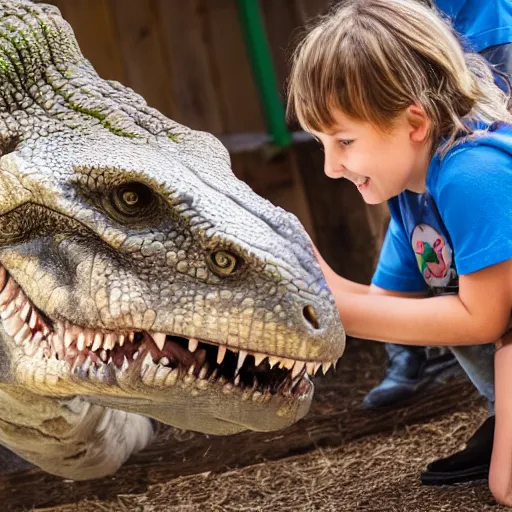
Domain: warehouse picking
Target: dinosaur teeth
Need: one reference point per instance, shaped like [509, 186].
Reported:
[192, 344]
[159, 339]
[273, 361]
[68, 338]
[8, 292]
[241, 358]
[33, 320]
[258, 358]
[297, 368]
[80, 342]
[287, 363]
[98, 341]
[221, 354]
[25, 310]
[325, 367]
[109, 341]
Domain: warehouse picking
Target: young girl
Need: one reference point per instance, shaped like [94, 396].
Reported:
[407, 117]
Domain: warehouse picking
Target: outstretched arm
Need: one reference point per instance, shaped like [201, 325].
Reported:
[480, 313]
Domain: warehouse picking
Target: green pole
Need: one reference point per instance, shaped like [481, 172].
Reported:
[263, 70]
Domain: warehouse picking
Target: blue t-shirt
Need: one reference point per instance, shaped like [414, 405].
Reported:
[461, 224]
[483, 23]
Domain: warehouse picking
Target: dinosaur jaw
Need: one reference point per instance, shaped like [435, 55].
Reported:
[152, 369]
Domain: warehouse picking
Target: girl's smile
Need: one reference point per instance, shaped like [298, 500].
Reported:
[380, 164]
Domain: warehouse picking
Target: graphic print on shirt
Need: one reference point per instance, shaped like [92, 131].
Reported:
[434, 256]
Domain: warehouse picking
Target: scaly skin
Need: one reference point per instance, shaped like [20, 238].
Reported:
[136, 271]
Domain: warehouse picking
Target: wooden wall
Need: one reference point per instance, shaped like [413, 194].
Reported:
[186, 57]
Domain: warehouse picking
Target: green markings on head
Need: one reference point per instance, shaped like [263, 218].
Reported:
[5, 65]
[102, 118]
[174, 137]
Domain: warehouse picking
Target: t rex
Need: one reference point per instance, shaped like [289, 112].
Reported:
[139, 279]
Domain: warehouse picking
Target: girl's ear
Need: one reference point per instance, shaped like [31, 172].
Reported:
[419, 121]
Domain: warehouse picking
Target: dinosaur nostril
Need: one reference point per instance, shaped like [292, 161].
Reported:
[310, 316]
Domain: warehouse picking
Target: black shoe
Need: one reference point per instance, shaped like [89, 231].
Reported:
[410, 369]
[470, 464]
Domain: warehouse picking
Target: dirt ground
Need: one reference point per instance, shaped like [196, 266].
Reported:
[378, 472]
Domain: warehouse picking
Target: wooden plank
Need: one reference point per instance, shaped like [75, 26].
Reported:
[310, 9]
[281, 22]
[335, 419]
[237, 95]
[143, 52]
[186, 37]
[94, 28]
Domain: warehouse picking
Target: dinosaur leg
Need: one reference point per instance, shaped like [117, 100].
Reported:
[71, 438]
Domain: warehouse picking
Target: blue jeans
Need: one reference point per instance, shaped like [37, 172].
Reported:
[478, 363]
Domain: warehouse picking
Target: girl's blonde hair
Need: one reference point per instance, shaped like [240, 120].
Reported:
[374, 58]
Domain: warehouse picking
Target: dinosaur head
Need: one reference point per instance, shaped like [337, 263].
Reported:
[136, 270]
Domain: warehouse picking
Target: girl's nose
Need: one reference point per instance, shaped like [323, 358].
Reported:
[332, 165]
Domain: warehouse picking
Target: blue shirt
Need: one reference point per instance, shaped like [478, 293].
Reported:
[461, 224]
[483, 23]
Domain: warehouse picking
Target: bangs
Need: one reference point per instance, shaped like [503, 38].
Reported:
[317, 84]
[335, 67]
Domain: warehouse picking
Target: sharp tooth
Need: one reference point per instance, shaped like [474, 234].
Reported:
[33, 320]
[310, 367]
[103, 355]
[25, 310]
[164, 361]
[23, 334]
[68, 338]
[241, 358]
[237, 380]
[297, 368]
[9, 292]
[108, 343]
[9, 309]
[131, 336]
[192, 344]
[317, 366]
[159, 339]
[121, 340]
[274, 361]
[221, 354]
[258, 358]
[98, 341]
[325, 367]
[89, 336]
[203, 372]
[287, 363]
[80, 342]
[3, 277]
[191, 370]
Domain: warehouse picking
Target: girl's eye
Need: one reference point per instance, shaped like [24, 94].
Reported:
[346, 142]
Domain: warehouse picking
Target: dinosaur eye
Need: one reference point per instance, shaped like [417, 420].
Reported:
[225, 263]
[132, 200]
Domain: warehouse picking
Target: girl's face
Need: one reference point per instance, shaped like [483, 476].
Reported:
[381, 165]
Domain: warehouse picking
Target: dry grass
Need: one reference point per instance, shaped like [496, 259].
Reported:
[377, 473]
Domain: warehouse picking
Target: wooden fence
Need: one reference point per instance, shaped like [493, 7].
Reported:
[186, 57]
